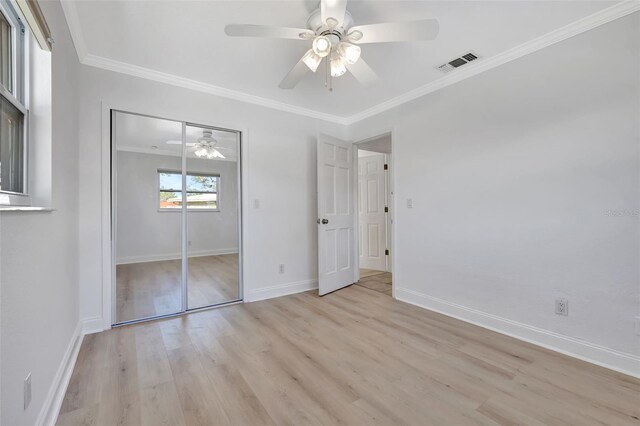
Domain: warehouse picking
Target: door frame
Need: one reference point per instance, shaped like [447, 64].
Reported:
[105, 321]
[391, 217]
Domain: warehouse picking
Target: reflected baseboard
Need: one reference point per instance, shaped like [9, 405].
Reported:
[174, 256]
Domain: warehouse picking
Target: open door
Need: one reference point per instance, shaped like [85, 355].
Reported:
[335, 214]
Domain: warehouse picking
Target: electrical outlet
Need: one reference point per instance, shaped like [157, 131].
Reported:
[189, 243]
[256, 203]
[409, 203]
[562, 306]
[281, 268]
[27, 391]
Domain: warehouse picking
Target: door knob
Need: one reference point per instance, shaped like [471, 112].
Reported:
[325, 221]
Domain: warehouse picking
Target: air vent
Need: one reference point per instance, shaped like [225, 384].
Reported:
[458, 62]
[446, 68]
[469, 57]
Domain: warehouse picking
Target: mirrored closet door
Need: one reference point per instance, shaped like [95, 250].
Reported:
[175, 216]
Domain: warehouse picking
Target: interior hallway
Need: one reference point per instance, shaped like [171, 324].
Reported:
[376, 280]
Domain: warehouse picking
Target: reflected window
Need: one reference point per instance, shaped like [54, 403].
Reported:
[201, 191]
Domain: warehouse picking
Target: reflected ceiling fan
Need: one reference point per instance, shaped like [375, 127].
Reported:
[205, 147]
[333, 37]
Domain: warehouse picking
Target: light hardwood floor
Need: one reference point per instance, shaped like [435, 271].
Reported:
[376, 280]
[154, 288]
[354, 356]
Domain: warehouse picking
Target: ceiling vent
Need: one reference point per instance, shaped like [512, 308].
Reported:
[458, 62]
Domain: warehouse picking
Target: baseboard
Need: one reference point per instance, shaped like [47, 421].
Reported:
[92, 325]
[174, 256]
[51, 407]
[615, 360]
[280, 290]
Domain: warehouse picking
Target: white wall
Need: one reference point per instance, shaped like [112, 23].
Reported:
[39, 255]
[513, 174]
[144, 233]
[280, 159]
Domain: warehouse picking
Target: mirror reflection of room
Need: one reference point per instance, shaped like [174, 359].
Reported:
[212, 216]
[150, 194]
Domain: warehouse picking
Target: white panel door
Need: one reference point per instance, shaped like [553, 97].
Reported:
[335, 214]
[371, 215]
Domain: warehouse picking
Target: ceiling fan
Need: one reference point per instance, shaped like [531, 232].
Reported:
[205, 147]
[334, 38]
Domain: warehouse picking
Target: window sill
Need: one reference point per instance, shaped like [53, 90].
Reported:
[25, 209]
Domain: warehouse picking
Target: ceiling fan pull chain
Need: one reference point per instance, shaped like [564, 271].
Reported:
[326, 73]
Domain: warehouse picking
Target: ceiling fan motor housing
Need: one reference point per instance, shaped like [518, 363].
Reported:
[315, 24]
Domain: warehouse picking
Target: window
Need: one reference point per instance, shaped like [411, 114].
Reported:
[202, 191]
[13, 113]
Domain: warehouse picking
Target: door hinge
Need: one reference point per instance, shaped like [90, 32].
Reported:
[386, 167]
[386, 209]
[386, 252]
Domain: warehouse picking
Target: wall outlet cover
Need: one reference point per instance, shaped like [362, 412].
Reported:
[562, 306]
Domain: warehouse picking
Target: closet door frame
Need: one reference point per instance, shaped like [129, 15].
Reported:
[109, 218]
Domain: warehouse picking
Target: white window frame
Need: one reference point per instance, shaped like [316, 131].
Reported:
[193, 173]
[19, 99]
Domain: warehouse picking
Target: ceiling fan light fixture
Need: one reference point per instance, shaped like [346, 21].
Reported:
[331, 23]
[312, 60]
[350, 52]
[355, 35]
[338, 66]
[321, 46]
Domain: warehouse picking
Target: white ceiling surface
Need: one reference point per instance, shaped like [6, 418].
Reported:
[186, 39]
[150, 135]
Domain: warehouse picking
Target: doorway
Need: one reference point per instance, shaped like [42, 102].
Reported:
[374, 215]
[176, 217]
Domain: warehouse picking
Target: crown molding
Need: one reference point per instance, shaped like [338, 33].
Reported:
[161, 77]
[594, 20]
[85, 58]
[580, 26]
[73, 22]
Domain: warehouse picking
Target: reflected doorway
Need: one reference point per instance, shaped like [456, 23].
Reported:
[374, 214]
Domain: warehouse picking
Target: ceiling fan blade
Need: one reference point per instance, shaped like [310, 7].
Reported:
[333, 9]
[296, 74]
[249, 30]
[363, 73]
[426, 29]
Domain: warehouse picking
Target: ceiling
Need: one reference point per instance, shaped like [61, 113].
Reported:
[186, 39]
[149, 135]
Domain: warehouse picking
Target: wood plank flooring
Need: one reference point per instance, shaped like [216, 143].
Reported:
[151, 289]
[375, 280]
[352, 357]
